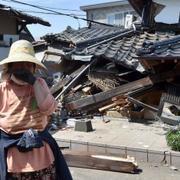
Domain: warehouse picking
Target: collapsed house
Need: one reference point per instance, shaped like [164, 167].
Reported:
[118, 72]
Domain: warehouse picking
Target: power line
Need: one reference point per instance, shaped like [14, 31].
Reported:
[56, 12]
[50, 13]
[62, 9]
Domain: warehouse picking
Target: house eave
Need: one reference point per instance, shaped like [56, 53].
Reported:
[22, 17]
[104, 5]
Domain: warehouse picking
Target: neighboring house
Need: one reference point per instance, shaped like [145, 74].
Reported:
[157, 11]
[119, 13]
[13, 27]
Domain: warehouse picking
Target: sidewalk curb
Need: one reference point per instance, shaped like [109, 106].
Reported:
[169, 158]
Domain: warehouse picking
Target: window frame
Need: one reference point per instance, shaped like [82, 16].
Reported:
[117, 13]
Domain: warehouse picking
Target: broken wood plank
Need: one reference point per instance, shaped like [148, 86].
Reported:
[76, 88]
[104, 96]
[86, 90]
[104, 108]
[100, 162]
[129, 87]
[115, 103]
[71, 84]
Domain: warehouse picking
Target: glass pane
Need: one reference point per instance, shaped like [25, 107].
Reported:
[111, 19]
[119, 19]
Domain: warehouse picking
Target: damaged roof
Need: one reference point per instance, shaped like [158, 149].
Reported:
[165, 49]
[121, 48]
[84, 35]
[22, 17]
[112, 43]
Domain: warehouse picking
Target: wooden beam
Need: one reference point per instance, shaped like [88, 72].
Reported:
[104, 96]
[129, 87]
[104, 108]
[115, 103]
[100, 162]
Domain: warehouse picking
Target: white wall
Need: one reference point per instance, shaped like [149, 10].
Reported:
[170, 14]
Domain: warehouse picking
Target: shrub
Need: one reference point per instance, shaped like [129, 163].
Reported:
[173, 139]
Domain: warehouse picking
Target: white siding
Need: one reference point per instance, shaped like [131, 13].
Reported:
[101, 15]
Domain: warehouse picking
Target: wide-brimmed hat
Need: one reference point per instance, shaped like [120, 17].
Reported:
[22, 51]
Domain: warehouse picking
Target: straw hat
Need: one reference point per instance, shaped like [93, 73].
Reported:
[22, 51]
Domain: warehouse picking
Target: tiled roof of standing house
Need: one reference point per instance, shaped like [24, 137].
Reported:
[165, 49]
[22, 17]
[104, 5]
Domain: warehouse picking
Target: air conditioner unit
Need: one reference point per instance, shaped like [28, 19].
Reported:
[128, 21]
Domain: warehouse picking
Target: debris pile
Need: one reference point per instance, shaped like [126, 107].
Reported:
[119, 73]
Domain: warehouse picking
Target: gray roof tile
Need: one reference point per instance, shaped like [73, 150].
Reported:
[164, 49]
[83, 35]
[112, 43]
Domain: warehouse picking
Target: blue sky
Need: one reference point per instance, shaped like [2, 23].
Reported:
[58, 23]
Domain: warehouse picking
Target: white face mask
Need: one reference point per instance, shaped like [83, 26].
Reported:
[18, 81]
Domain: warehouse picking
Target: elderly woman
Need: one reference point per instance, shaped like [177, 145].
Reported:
[28, 151]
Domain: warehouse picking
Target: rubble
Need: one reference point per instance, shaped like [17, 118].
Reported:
[120, 72]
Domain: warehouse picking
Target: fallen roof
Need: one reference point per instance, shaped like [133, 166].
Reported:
[121, 48]
[112, 43]
[22, 17]
[83, 35]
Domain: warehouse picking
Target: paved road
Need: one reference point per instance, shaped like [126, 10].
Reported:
[149, 172]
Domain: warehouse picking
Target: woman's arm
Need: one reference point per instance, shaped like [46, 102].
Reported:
[45, 101]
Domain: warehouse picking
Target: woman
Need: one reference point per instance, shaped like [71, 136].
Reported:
[28, 151]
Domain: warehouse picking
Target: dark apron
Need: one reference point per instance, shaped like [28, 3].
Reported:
[23, 141]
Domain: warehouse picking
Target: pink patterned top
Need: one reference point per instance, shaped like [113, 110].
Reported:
[21, 108]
